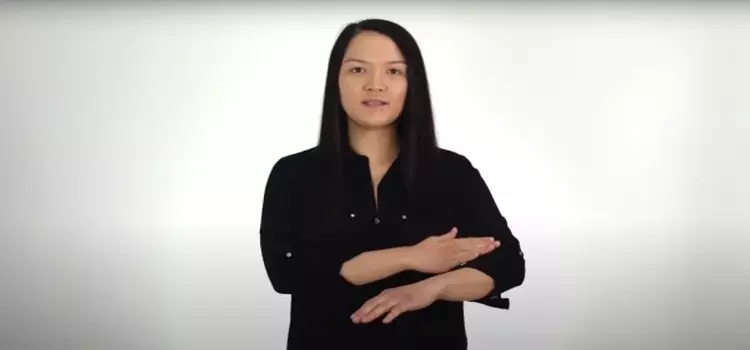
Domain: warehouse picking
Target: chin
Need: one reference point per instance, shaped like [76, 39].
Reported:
[375, 122]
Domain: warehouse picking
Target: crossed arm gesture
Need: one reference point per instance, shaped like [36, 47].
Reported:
[437, 255]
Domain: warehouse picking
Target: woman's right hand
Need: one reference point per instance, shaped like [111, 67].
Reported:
[439, 254]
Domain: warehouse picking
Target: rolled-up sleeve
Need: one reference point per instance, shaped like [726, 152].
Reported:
[479, 217]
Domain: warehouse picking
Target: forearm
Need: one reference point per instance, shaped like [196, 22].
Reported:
[466, 284]
[375, 265]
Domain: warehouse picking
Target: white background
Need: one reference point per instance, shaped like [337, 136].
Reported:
[136, 140]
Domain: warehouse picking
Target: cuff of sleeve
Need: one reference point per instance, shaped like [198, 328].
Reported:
[493, 298]
[506, 272]
[496, 301]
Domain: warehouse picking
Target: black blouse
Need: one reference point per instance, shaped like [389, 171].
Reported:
[313, 220]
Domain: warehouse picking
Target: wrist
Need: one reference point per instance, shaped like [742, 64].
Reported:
[404, 258]
[438, 284]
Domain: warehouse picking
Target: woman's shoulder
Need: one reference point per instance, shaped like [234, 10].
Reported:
[298, 158]
[295, 163]
[449, 160]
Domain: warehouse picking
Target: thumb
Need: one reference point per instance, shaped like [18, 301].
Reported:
[450, 234]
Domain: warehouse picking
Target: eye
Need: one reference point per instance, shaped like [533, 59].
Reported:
[394, 71]
[356, 70]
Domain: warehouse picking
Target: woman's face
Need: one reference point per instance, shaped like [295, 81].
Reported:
[372, 81]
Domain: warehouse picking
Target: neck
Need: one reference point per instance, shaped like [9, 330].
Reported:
[380, 146]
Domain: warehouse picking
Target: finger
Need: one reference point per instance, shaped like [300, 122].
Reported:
[449, 235]
[493, 244]
[367, 307]
[479, 246]
[395, 312]
[476, 244]
[474, 240]
[487, 244]
[463, 258]
[490, 245]
[380, 310]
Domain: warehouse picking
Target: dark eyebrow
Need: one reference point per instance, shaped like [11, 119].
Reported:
[363, 61]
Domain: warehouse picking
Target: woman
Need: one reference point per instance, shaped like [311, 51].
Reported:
[379, 235]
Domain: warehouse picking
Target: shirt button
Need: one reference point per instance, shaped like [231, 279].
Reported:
[377, 221]
[288, 254]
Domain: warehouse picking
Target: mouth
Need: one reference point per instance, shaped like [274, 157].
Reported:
[374, 103]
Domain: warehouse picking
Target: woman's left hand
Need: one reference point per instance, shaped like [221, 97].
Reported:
[396, 301]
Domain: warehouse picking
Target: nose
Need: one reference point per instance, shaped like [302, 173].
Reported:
[370, 87]
[375, 83]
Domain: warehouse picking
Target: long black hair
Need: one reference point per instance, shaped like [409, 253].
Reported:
[416, 126]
